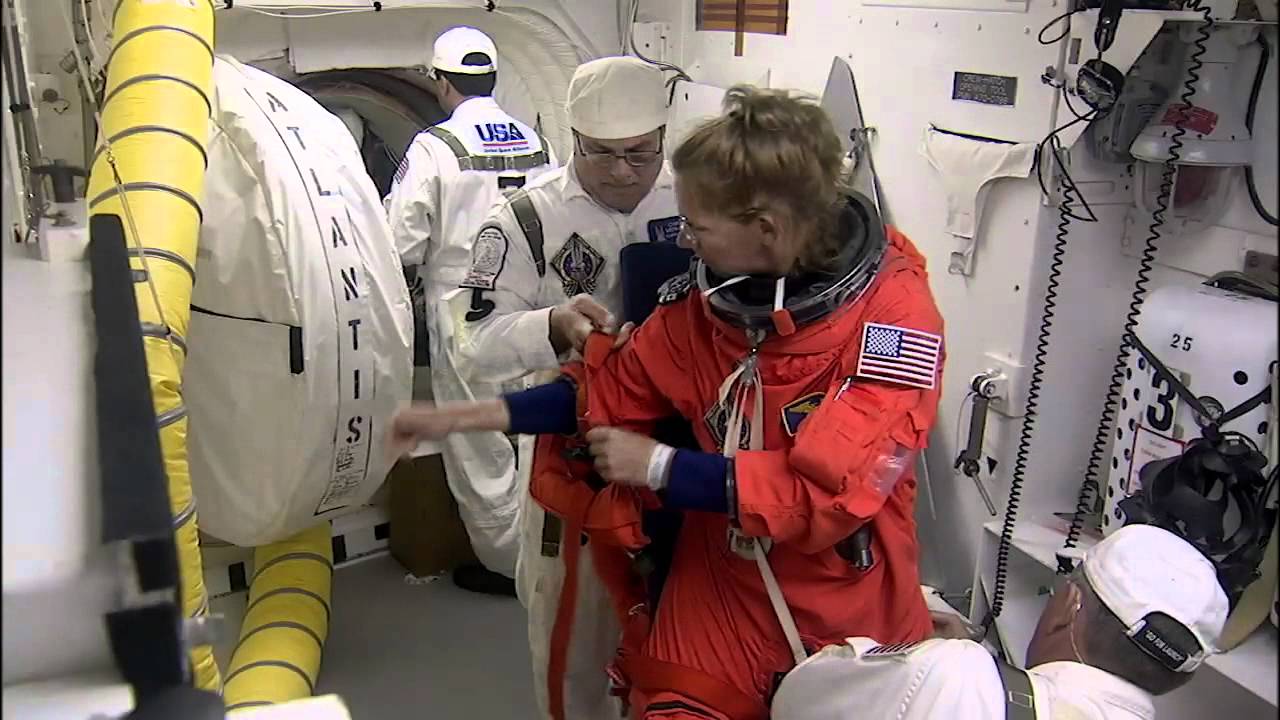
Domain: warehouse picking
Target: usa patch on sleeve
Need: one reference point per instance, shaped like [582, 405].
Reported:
[488, 257]
[402, 168]
[894, 650]
[900, 355]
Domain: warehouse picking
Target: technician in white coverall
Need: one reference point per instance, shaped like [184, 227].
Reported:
[451, 176]
[544, 274]
[1134, 620]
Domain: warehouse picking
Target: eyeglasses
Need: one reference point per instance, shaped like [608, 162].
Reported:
[634, 158]
[686, 232]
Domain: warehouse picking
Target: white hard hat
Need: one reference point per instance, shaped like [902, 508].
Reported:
[617, 97]
[456, 43]
[1141, 572]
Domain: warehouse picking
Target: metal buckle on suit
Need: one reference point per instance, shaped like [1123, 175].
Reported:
[742, 545]
[552, 531]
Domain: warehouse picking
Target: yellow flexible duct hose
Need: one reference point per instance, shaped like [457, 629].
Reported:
[155, 117]
[285, 623]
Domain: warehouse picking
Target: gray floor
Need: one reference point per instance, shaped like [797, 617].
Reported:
[430, 651]
[398, 651]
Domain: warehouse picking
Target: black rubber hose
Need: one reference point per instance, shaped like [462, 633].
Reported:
[1248, 123]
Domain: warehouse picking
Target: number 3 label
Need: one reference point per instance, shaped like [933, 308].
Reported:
[1181, 343]
[1163, 409]
[1161, 412]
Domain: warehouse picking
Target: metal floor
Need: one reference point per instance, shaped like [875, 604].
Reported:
[427, 652]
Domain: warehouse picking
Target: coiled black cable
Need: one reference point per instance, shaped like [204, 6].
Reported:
[1265, 55]
[1066, 214]
[1033, 402]
[1085, 498]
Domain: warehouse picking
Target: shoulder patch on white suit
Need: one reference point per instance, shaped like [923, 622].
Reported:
[402, 168]
[900, 355]
[674, 289]
[488, 257]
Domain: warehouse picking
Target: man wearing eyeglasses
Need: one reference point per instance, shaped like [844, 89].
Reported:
[1136, 618]
[450, 177]
[544, 274]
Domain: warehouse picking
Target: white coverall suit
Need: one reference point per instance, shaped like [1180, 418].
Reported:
[955, 679]
[580, 244]
[445, 186]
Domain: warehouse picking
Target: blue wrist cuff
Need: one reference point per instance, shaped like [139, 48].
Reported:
[549, 409]
[697, 482]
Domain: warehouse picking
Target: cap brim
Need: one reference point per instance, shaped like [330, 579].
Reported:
[458, 69]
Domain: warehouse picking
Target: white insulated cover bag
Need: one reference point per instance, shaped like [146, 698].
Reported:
[301, 330]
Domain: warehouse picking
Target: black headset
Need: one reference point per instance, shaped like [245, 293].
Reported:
[1191, 494]
[1100, 83]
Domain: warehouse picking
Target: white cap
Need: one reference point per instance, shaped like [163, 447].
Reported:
[1141, 570]
[456, 43]
[617, 97]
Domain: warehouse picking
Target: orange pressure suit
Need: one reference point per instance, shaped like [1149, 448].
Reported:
[714, 647]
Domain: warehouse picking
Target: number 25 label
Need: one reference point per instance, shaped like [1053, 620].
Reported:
[1181, 342]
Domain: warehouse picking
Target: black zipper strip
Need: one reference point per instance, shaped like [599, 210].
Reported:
[979, 138]
[296, 366]
[675, 707]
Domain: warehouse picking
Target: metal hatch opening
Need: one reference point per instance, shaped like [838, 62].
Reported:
[394, 111]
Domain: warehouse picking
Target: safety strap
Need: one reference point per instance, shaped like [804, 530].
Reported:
[1189, 397]
[489, 163]
[531, 224]
[743, 383]
[562, 627]
[779, 604]
[1019, 694]
[552, 529]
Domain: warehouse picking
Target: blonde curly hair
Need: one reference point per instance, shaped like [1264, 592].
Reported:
[775, 150]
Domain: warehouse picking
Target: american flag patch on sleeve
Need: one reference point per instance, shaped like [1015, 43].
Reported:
[899, 355]
[402, 168]
[891, 650]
